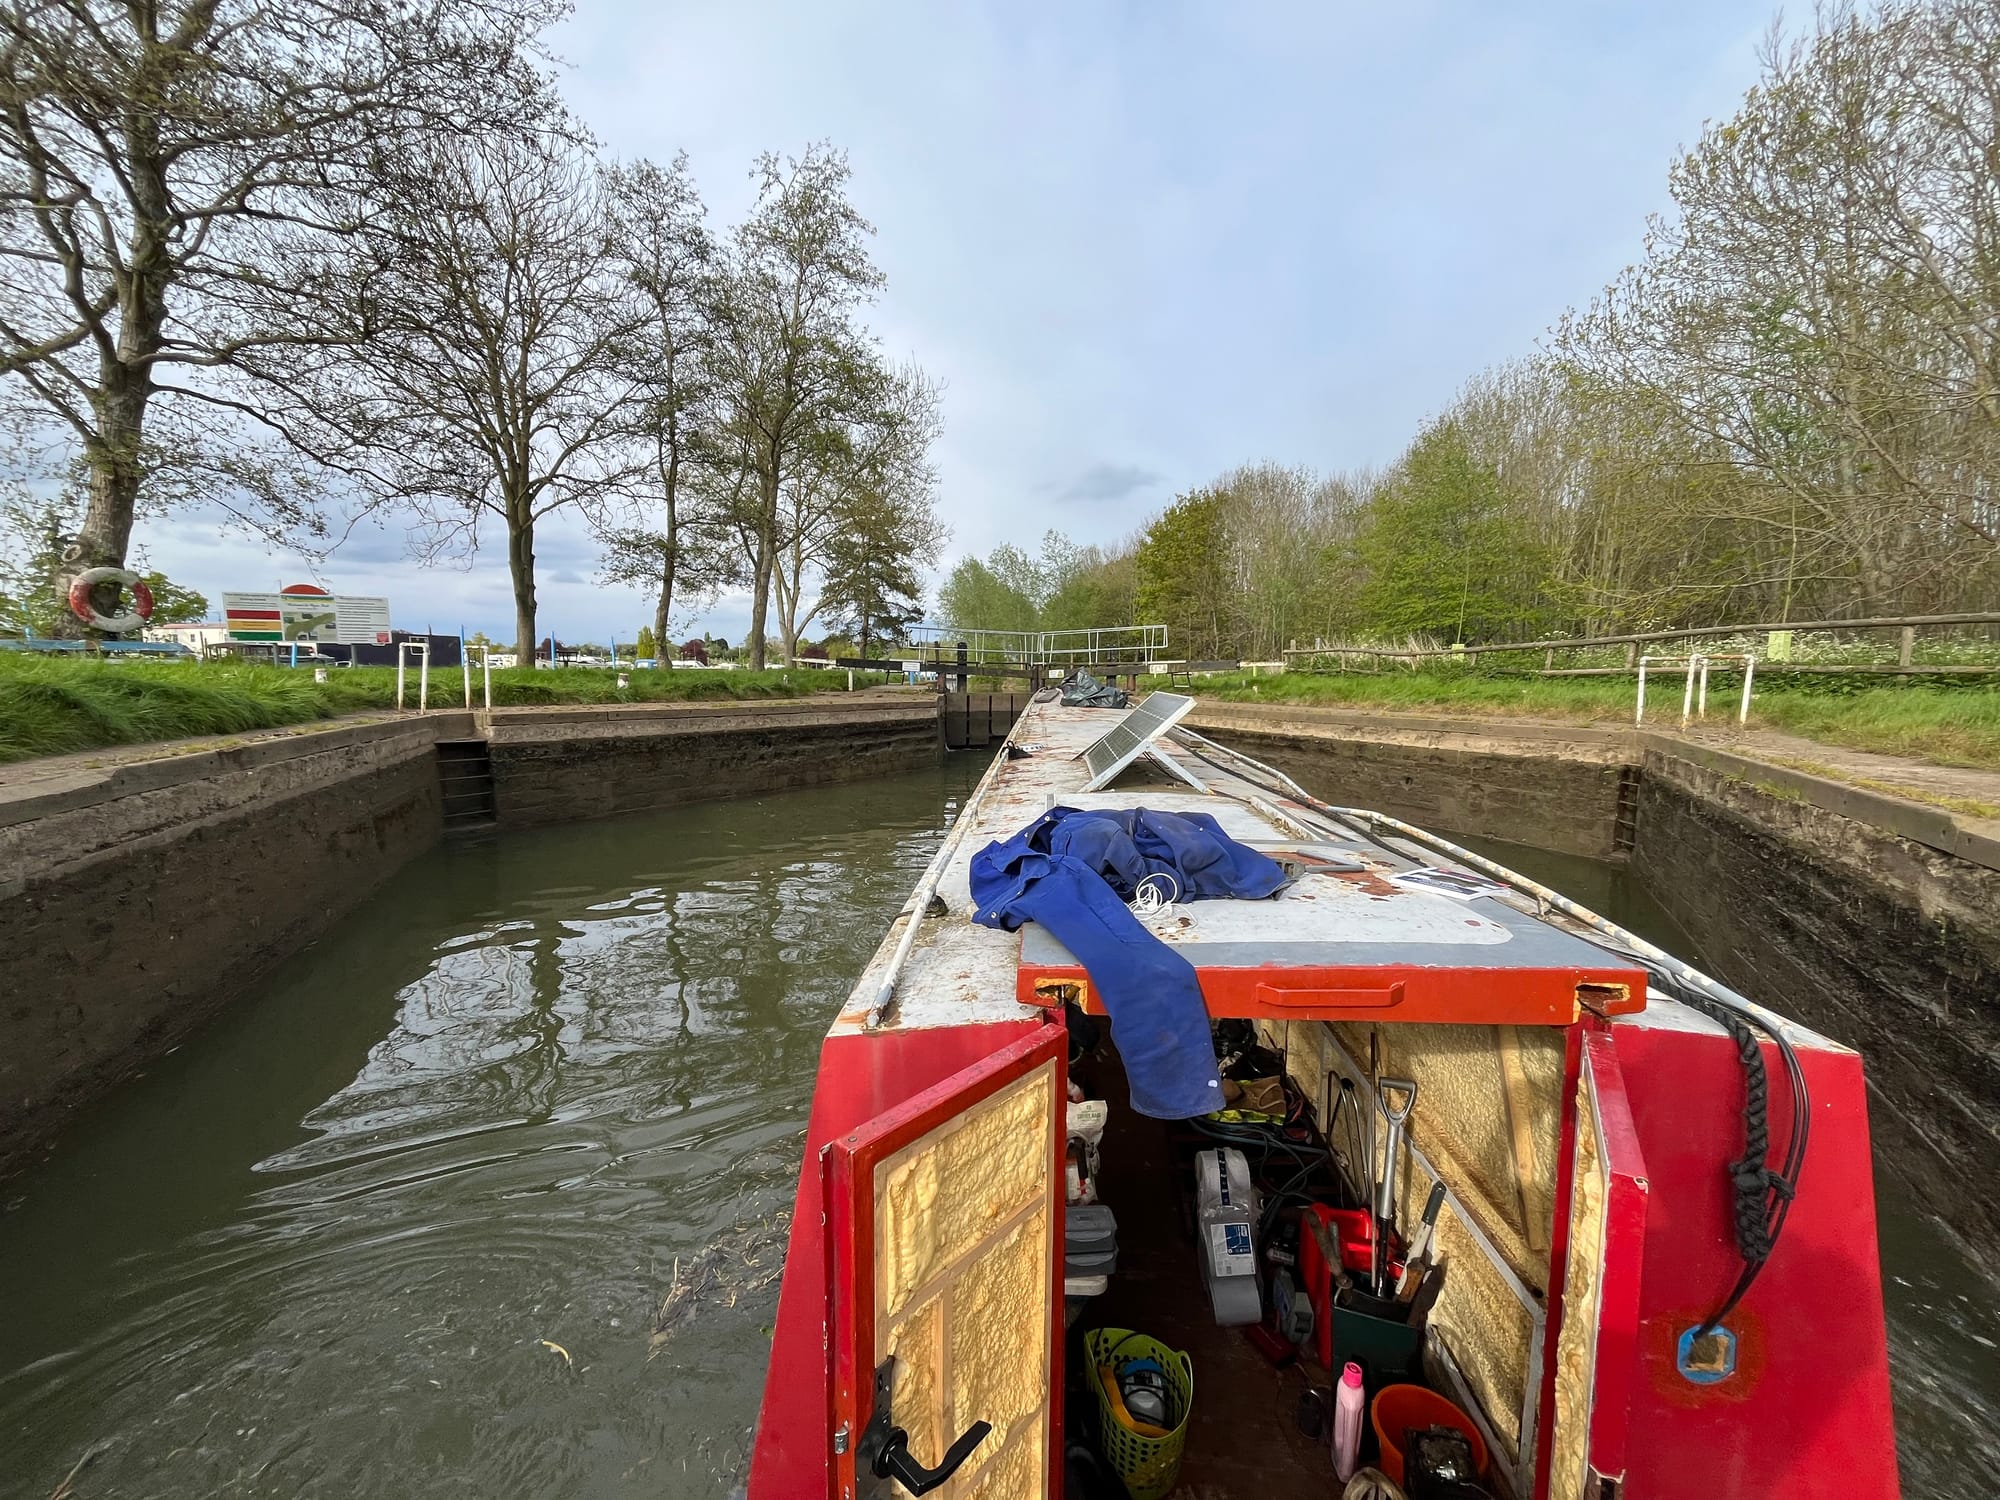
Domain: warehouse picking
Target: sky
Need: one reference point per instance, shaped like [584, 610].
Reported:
[1139, 243]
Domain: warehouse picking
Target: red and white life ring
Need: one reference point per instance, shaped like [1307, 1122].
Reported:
[80, 605]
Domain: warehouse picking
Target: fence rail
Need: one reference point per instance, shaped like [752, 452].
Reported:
[1298, 657]
[1124, 645]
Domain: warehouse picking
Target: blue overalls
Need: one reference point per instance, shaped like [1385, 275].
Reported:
[1073, 871]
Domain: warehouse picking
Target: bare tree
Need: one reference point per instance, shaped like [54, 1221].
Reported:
[790, 361]
[164, 167]
[487, 385]
[670, 532]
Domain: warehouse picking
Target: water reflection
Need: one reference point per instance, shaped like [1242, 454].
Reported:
[318, 1250]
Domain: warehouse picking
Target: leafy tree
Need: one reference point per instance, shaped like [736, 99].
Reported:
[975, 597]
[671, 533]
[33, 538]
[879, 457]
[174, 605]
[1443, 553]
[872, 588]
[649, 643]
[489, 389]
[1184, 576]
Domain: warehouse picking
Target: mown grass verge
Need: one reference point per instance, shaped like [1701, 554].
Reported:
[56, 706]
[1947, 722]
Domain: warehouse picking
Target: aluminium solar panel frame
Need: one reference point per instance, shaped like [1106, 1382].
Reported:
[1132, 736]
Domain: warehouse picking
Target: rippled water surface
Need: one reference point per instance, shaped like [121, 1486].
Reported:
[316, 1251]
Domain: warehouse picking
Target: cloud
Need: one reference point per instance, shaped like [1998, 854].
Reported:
[1123, 292]
[1109, 482]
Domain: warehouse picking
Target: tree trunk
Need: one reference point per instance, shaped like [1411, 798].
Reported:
[112, 457]
[664, 611]
[521, 565]
[760, 598]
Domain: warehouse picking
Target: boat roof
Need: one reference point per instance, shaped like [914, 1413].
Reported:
[1362, 904]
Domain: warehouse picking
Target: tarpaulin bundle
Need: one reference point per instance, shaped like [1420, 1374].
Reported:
[1085, 691]
[1073, 871]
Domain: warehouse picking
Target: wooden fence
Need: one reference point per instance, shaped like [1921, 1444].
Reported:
[1373, 658]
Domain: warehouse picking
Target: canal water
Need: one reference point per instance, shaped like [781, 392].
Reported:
[404, 1221]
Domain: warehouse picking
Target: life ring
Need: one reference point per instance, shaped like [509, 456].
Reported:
[80, 605]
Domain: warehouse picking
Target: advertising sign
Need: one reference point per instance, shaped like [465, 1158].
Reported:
[340, 619]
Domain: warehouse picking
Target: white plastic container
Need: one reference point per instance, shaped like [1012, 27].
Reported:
[1226, 1206]
[1350, 1403]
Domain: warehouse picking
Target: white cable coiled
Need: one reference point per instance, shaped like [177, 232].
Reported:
[1155, 893]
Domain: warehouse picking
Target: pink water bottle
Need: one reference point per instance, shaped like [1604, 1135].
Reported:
[1349, 1402]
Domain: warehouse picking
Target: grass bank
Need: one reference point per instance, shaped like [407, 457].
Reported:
[1949, 723]
[55, 705]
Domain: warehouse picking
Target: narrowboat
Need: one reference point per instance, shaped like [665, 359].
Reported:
[1609, 1222]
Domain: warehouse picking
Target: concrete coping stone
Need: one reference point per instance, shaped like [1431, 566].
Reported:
[1975, 840]
[1935, 827]
[41, 788]
[38, 789]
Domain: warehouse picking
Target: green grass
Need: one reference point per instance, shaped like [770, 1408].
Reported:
[55, 706]
[1950, 723]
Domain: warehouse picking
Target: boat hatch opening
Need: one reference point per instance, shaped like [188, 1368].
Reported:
[944, 1232]
[1052, 992]
[1604, 999]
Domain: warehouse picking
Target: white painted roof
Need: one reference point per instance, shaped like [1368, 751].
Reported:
[1349, 911]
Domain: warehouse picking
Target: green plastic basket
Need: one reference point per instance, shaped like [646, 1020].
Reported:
[1149, 1466]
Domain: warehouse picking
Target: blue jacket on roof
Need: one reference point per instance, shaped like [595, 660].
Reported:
[1073, 871]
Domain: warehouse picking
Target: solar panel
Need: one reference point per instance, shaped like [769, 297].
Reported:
[1120, 745]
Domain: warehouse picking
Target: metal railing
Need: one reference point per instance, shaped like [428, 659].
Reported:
[1121, 645]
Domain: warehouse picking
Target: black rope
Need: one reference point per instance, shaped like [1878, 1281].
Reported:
[1759, 1190]
[1762, 1195]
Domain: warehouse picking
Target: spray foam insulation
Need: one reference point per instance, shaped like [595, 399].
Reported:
[1461, 1123]
[964, 1234]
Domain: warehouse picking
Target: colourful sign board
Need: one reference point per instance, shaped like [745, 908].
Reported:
[341, 619]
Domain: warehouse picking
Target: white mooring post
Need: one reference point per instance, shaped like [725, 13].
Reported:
[421, 650]
[1749, 671]
[1687, 697]
[1639, 716]
[486, 663]
[1701, 698]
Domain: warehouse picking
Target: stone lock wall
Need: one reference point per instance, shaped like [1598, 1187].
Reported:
[142, 892]
[561, 766]
[1545, 786]
[140, 899]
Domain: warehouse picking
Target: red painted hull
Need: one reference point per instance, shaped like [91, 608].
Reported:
[1809, 1412]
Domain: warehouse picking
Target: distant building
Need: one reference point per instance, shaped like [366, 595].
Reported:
[196, 638]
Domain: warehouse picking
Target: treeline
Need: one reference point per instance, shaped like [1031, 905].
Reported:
[317, 262]
[1789, 408]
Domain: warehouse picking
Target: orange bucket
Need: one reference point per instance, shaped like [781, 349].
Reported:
[1398, 1408]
